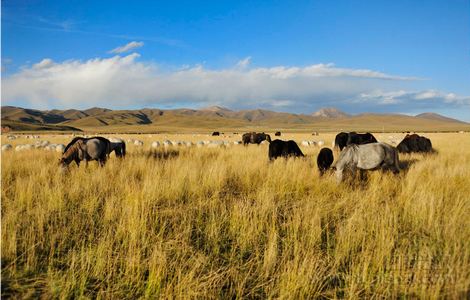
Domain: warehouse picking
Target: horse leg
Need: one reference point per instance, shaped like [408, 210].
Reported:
[102, 161]
[396, 164]
[339, 175]
[362, 175]
[353, 172]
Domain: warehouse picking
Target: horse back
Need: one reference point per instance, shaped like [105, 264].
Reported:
[97, 148]
[371, 156]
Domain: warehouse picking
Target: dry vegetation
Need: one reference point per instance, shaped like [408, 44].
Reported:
[219, 223]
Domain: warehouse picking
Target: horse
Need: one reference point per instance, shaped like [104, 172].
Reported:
[278, 148]
[116, 145]
[255, 138]
[324, 160]
[367, 157]
[343, 139]
[86, 149]
[415, 143]
[361, 138]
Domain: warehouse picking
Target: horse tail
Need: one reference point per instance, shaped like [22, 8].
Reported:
[108, 148]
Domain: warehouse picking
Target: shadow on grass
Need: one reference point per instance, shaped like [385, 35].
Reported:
[157, 154]
[163, 155]
[405, 164]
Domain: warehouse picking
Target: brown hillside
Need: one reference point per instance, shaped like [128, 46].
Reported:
[214, 118]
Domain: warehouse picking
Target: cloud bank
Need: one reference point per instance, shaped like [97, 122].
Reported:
[124, 81]
[128, 47]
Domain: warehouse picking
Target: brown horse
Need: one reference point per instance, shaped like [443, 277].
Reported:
[255, 138]
[91, 149]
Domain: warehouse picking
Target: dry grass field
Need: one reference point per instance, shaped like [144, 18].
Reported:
[225, 223]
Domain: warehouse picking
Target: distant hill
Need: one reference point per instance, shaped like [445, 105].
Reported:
[217, 109]
[218, 118]
[31, 116]
[21, 126]
[330, 112]
[437, 117]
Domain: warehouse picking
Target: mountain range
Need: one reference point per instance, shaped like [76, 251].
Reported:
[215, 117]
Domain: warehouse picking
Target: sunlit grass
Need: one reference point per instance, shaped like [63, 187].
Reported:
[212, 223]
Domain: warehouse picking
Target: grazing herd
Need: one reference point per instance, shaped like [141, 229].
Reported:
[358, 151]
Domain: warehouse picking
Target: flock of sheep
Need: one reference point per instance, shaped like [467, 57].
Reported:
[46, 145]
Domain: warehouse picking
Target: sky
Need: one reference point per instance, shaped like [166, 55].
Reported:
[358, 56]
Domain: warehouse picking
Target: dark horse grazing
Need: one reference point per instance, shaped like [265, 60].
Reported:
[278, 148]
[324, 160]
[278, 133]
[116, 145]
[415, 143]
[215, 133]
[343, 139]
[86, 149]
[255, 138]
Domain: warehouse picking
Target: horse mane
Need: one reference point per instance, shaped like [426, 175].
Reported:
[72, 151]
[72, 142]
[351, 148]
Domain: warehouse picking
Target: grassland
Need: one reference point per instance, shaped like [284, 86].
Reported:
[223, 223]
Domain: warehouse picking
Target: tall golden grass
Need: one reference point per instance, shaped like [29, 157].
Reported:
[223, 223]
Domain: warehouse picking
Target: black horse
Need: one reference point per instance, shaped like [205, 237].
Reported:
[415, 143]
[324, 160]
[278, 148]
[343, 139]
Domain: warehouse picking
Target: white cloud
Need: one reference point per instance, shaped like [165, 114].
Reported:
[45, 63]
[128, 47]
[244, 62]
[414, 97]
[123, 81]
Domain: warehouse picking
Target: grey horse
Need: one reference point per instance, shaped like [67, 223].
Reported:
[367, 157]
[116, 145]
[86, 149]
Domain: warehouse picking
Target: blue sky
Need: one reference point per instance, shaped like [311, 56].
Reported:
[359, 56]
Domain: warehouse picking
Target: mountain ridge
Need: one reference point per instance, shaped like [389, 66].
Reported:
[330, 112]
[219, 117]
[436, 116]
